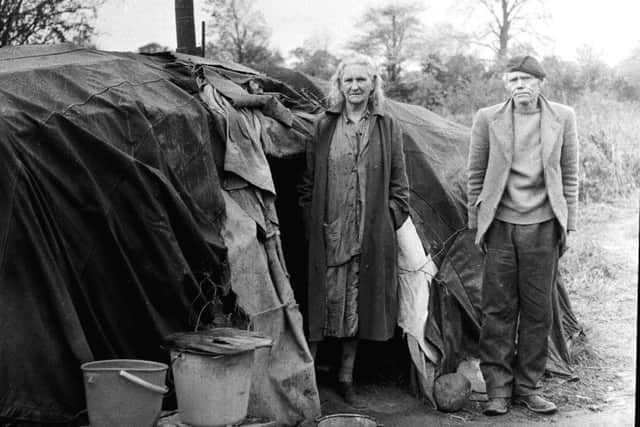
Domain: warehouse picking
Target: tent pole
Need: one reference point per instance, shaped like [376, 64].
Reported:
[202, 40]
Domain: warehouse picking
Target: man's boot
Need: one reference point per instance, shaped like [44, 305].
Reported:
[536, 403]
[496, 406]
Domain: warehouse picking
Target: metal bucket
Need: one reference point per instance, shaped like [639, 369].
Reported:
[212, 373]
[124, 392]
[212, 390]
[347, 420]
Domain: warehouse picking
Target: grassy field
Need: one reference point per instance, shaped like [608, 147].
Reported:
[601, 269]
[601, 276]
[609, 153]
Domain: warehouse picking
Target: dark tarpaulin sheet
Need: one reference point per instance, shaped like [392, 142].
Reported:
[110, 220]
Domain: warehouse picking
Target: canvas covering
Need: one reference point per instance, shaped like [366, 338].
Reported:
[115, 231]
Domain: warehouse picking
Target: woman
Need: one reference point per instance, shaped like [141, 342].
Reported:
[354, 195]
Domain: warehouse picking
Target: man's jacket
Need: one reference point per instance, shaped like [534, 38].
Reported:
[491, 154]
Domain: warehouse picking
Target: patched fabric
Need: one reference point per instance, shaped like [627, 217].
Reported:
[345, 191]
[341, 320]
[344, 227]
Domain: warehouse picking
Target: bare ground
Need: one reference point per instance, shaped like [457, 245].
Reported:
[602, 273]
[601, 276]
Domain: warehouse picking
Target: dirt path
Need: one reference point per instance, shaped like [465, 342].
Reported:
[617, 237]
[393, 407]
[605, 297]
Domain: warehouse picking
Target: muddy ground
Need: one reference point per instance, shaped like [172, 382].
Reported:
[601, 276]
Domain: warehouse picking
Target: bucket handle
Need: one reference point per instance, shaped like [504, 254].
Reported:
[143, 383]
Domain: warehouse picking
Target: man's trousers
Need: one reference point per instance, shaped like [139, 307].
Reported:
[519, 272]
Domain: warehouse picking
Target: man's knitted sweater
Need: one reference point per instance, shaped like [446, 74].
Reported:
[525, 200]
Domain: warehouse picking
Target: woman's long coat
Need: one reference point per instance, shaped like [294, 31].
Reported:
[386, 208]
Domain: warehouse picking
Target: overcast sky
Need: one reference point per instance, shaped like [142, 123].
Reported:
[609, 26]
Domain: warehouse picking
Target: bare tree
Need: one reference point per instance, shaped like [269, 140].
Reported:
[510, 22]
[46, 21]
[239, 33]
[391, 32]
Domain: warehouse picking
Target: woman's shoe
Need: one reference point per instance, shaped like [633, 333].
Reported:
[348, 393]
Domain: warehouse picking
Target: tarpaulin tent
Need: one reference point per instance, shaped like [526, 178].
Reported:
[137, 189]
[115, 228]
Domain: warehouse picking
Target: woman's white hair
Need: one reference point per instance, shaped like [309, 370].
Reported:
[336, 97]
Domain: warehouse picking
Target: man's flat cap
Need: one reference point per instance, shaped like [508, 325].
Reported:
[526, 64]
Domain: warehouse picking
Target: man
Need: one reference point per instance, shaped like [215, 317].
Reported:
[522, 193]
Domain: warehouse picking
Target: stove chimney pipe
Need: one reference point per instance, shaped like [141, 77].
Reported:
[185, 27]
